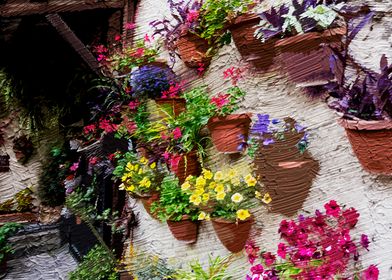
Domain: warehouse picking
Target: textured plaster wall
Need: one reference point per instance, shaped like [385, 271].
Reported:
[341, 176]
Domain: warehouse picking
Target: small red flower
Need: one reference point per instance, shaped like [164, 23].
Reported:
[371, 273]
[177, 133]
[117, 38]
[147, 39]
[332, 208]
[201, 69]
[220, 100]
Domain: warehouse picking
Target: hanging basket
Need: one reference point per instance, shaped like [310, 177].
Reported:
[175, 105]
[371, 142]
[229, 132]
[188, 165]
[193, 50]
[260, 55]
[305, 58]
[184, 230]
[231, 234]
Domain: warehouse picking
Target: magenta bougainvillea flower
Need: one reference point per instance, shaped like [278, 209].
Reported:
[234, 73]
[177, 133]
[315, 247]
[173, 91]
[220, 100]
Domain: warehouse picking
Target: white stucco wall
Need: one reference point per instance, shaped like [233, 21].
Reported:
[341, 176]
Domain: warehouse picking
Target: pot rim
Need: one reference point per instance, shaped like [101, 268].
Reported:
[365, 125]
[231, 117]
[225, 221]
[244, 18]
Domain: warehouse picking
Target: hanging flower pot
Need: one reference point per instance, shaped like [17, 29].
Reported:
[260, 55]
[184, 230]
[188, 164]
[229, 132]
[147, 199]
[193, 50]
[233, 235]
[371, 142]
[286, 173]
[176, 105]
[305, 58]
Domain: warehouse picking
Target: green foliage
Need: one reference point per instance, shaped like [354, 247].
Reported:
[147, 267]
[6, 231]
[50, 187]
[173, 203]
[96, 265]
[5, 93]
[216, 270]
[21, 202]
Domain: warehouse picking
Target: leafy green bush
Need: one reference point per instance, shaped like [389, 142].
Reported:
[6, 231]
[96, 265]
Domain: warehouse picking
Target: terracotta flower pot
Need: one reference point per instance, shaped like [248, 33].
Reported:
[229, 132]
[371, 142]
[305, 58]
[176, 105]
[184, 230]
[231, 234]
[147, 199]
[260, 55]
[192, 49]
[188, 165]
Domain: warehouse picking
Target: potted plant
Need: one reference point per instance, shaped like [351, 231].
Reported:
[305, 36]
[282, 162]
[6, 231]
[226, 198]
[228, 130]
[366, 112]
[316, 247]
[176, 210]
[139, 177]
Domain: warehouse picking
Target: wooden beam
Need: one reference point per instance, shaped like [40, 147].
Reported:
[17, 8]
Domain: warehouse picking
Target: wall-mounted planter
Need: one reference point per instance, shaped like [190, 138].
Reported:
[229, 132]
[286, 174]
[147, 199]
[175, 105]
[188, 165]
[184, 230]
[371, 142]
[193, 50]
[231, 234]
[305, 58]
[4, 163]
[252, 50]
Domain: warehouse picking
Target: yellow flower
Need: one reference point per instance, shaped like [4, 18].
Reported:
[200, 181]
[205, 197]
[202, 216]
[125, 177]
[243, 214]
[218, 176]
[212, 185]
[207, 174]
[220, 196]
[131, 188]
[129, 166]
[198, 191]
[185, 186]
[250, 180]
[236, 182]
[237, 198]
[153, 165]
[189, 178]
[195, 199]
[140, 171]
[143, 160]
[136, 167]
[232, 173]
[267, 198]
[220, 188]
[258, 194]
[208, 217]
[145, 182]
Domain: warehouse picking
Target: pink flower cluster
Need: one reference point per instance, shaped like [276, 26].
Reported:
[316, 247]
[176, 134]
[234, 73]
[220, 100]
[101, 51]
[192, 17]
[173, 91]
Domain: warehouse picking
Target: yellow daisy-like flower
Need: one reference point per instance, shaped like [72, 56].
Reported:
[198, 191]
[185, 186]
[219, 188]
[189, 178]
[212, 185]
[267, 198]
[207, 174]
[200, 181]
[136, 167]
[153, 165]
[250, 180]
[129, 167]
[237, 198]
[131, 188]
[206, 197]
[143, 160]
[258, 195]
[195, 199]
[140, 171]
[125, 177]
[202, 216]
[243, 214]
[218, 176]
[232, 173]
[220, 196]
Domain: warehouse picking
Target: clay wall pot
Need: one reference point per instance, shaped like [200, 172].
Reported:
[231, 234]
[260, 55]
[175, 105]
[147, 199]
[229, 132]
[305, 58]
[188, 165]
[184, 230]
[192, 50]
[371, 142]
